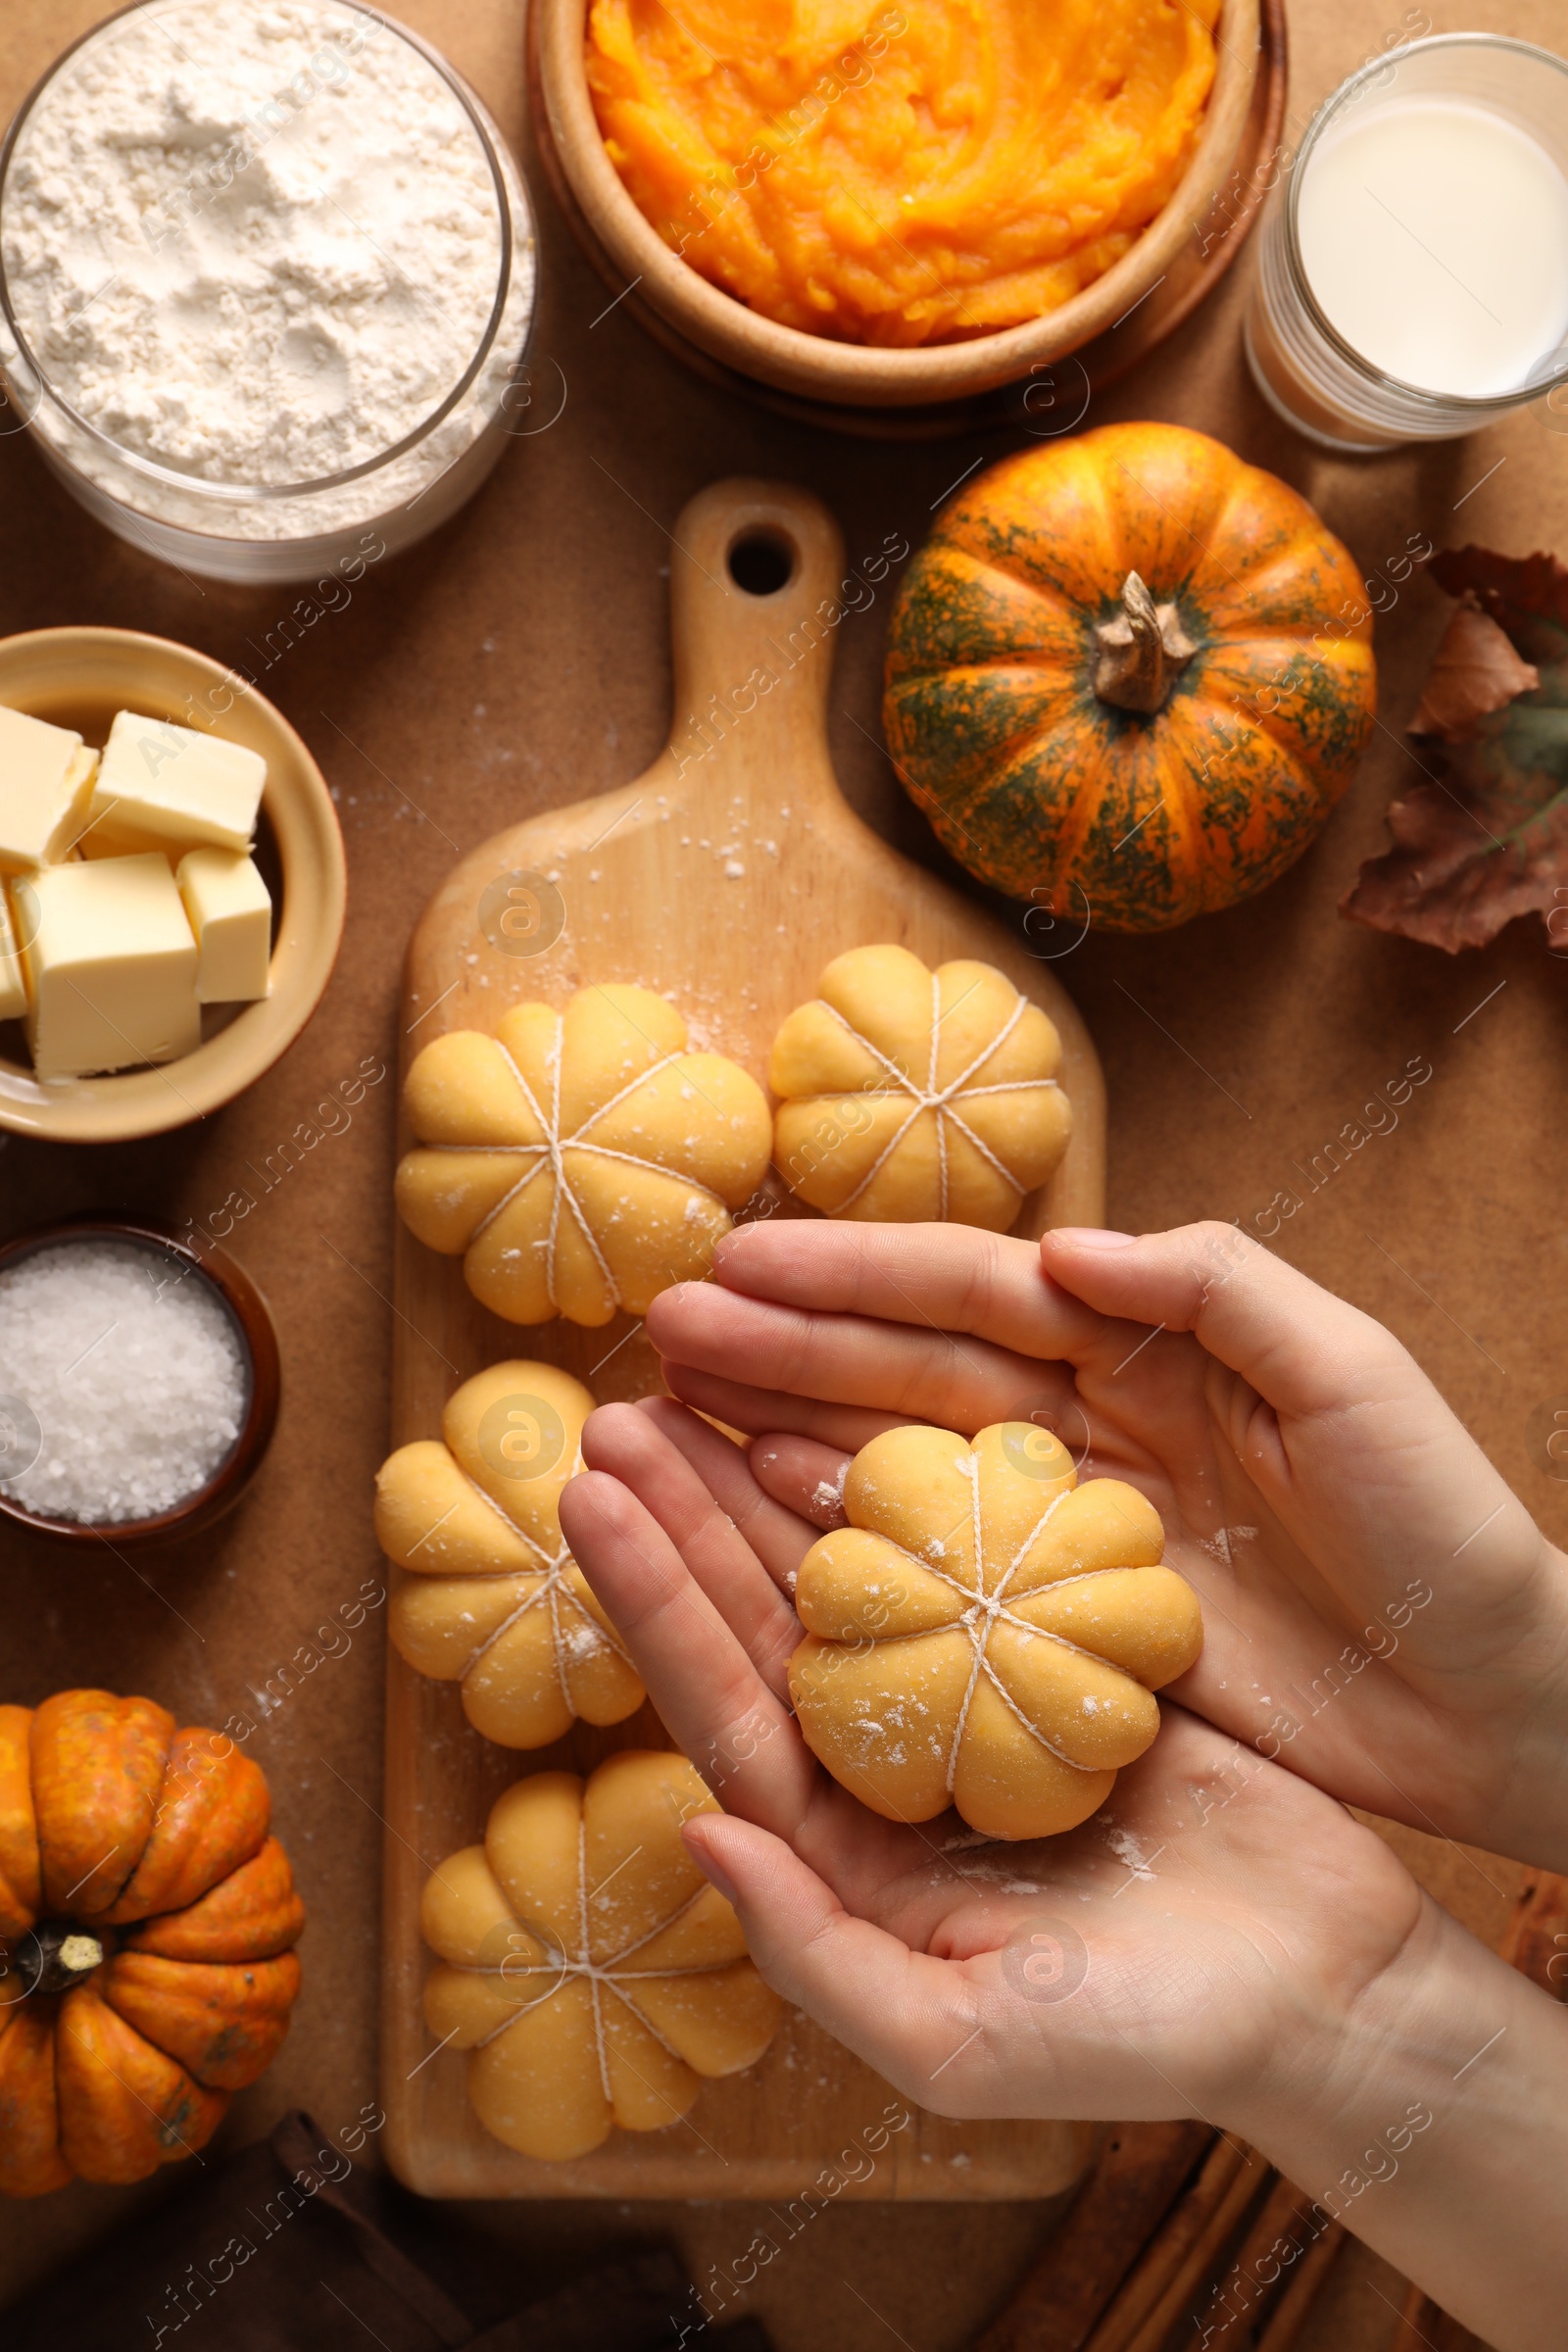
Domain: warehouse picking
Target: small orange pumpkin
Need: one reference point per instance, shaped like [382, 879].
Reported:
[1128, 676]
[145, 1923]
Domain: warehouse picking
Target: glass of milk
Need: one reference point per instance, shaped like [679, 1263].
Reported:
[1413, 273]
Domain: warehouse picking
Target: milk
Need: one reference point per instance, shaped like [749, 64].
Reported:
[1434, 235]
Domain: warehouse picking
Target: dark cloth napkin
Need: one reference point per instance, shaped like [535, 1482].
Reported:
[270, 2252]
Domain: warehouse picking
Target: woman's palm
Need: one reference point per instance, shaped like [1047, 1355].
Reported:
[1374, 1595]
[1178, 1930]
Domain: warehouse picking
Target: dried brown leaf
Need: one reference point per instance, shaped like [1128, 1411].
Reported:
[1474, 671]
[1484, 837]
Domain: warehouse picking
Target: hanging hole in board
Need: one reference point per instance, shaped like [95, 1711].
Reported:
[761, 563]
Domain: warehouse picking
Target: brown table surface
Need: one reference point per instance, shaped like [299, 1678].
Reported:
[519, 661]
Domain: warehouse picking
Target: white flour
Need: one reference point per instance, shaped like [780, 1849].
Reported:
[273, 322]
[257, 245]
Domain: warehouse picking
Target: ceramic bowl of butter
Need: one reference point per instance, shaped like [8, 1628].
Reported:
[921, 210]
[171, 885]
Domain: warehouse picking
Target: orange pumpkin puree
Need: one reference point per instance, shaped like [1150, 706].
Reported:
[901, 175]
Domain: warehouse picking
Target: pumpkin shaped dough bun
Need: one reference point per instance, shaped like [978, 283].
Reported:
[587, 1965]
[911, 1095]
[580, 1162]
[495, 1601]
[985, 1633]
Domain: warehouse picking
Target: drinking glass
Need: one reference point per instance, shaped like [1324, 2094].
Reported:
[1304, 364]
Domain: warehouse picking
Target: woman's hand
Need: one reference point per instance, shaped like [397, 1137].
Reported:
[912, 1943]
[1220, 1940]
[1381, 1614]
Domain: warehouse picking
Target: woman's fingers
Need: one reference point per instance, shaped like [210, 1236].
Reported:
[1347, 1439]
[630, 1444]
[804, 1476]
[951, 1276]
[1303, 1350]
[772, 1525]
[907, 2014]
[964, 2036]
[713, 1702]
[850, 1426]
[916, 1371]
[734, 1723]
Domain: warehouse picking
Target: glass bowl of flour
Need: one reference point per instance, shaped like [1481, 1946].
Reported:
[267, 284]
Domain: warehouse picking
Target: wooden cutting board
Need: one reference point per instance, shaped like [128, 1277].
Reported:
[725, 877]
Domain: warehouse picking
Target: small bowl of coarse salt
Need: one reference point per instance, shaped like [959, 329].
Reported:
[139, 1380]
[267, 285]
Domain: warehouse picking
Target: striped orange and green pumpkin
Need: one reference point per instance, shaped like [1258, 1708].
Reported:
[1129, 670]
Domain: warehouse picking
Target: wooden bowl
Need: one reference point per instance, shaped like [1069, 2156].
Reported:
[79, 677]
[247, 1311]
[830, 377]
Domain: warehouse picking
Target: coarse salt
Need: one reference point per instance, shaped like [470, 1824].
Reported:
[131, 1373]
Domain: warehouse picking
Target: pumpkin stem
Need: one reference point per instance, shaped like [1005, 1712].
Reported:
[1142, 651]
[54, 1956]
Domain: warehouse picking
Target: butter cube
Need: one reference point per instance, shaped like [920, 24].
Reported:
[111, 840]
[46, 781]
[111, 963]
[172, 784]
[13, 985]
[232, 916]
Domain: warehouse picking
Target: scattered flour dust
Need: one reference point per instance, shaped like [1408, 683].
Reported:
[583, 1640]
[254, 244]
[1126, 1848]
[1219, 1545]
[135, 1381]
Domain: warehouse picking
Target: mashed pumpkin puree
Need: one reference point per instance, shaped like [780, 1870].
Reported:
[909, 174]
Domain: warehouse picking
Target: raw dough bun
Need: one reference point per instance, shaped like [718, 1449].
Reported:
[909, 1095]
[498, 1603]
[591, 1969]
[579, 1161]
[985, 1633]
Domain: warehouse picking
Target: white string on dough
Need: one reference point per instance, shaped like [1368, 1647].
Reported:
[940, 1100]
[601, 1976]
[987, 1610]
[552, 1590]
[550, 1154]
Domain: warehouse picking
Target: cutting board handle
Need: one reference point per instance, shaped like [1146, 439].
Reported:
[755, 606]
